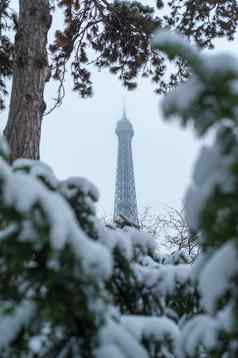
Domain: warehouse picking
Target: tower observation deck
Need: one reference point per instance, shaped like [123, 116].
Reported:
[125, 204]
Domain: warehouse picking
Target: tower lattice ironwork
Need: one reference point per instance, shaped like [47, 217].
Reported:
[125, 204]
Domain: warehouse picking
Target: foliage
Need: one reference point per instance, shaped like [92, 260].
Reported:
[203, 21]
[116, 35]
[60, 295]
[41, 269]
[118, 32]
[210, 101]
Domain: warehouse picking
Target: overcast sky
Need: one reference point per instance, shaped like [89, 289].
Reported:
[78, 139]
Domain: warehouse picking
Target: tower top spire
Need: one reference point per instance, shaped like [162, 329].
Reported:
[124, 116]
[124, 124]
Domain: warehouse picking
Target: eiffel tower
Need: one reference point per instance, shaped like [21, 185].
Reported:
[125, 204]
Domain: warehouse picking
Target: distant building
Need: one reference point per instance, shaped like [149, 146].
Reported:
[125, 204]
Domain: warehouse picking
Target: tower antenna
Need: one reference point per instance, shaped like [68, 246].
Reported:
[124, 106]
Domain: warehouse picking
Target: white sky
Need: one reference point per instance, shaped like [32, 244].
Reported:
[78, 140]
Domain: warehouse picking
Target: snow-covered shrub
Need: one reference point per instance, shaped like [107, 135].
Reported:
[209, 100]
[79, 192]
[82, 196]
[67, 280]
[52, 274]
[143, 282]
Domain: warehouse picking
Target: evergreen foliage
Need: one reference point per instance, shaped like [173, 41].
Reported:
[203, 21]
[210, 101]
[116, 35]
[118, 32]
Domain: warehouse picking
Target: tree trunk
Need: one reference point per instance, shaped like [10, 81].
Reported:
[23, 129]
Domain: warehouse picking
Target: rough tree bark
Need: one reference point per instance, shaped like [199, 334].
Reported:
[23, 129]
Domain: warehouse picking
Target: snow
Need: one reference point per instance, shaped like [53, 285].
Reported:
[109, 351]
[152, 328]
[71, 185]
[174, 43]
[128, 241]
[115, 338]
[215, 66]
[212, 169]
[163, 280]
[141, 240]
[226, 318]
[182, 98]
[148, 261]
[37, 169]
[191, 101]
[116, 239]
[216, 276]
[199, 99]
[205, 331]
[207, 100]
[62, 223]
[10, 231]
[221, 65]
[216, 165]
[11, 325]
[234, 87]
[200, 330]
